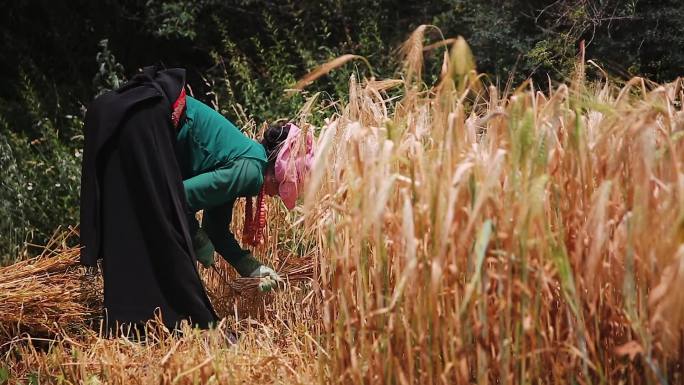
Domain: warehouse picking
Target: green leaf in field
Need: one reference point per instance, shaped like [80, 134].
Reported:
[93, 380]
[4, 375]
[542, 153]
[480, 250]
[34, 379]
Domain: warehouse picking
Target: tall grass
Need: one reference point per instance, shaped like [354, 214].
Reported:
[534, 237]
[458, 235]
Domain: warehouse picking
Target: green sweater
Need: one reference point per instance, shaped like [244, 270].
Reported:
[219, 164]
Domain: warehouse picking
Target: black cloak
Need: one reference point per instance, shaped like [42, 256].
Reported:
[133, 208]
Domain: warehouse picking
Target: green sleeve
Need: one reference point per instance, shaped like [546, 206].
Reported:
[242, 177]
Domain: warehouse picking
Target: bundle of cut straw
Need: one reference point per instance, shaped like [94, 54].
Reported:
[292, 270]
[47, 294]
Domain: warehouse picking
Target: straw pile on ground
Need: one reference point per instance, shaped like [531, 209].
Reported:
[52, 293]
[46, 295]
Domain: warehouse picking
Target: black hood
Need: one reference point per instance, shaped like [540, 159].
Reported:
[171, 81]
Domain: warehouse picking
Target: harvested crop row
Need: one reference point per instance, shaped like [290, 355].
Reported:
[45, 295]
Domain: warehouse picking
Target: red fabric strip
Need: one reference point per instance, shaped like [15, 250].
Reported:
[178, 108]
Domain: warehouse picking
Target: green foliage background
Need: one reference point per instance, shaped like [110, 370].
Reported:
[242, 54]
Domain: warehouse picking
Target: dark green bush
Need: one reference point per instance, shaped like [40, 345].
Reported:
[40, 177]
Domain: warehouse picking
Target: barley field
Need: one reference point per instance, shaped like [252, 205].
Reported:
[451, 233]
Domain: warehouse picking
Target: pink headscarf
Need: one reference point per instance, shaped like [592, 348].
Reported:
[293, 164]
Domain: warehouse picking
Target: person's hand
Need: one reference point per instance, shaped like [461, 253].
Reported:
[204, 249]
[250, 267]
[269, 278]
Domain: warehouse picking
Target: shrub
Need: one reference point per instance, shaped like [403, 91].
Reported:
[41, 177]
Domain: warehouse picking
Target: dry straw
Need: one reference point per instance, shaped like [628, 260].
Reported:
[325, 68]
[46, 295]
